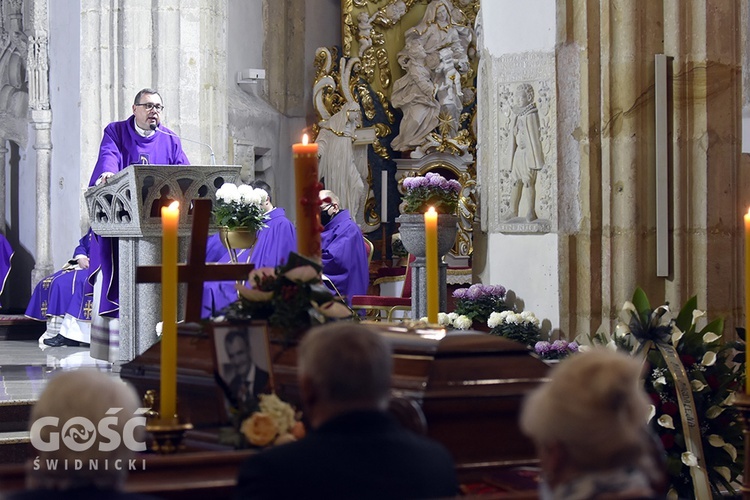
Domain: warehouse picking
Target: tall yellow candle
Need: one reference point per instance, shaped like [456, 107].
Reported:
[307, 186]
[747, 296]
[168, 390]
[433, 292]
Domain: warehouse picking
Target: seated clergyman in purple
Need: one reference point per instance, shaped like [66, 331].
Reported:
[6, 253]
[139, 139]
[344, 255]
[272, 248]
[61, 292]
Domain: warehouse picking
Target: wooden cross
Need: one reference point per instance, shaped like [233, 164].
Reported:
[196, 271]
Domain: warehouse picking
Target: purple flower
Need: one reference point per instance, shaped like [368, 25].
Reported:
[573, 346]
[475, 292]
[408, 183]
[560, 345]
[460, 293]
[454, 185]
[542, 347]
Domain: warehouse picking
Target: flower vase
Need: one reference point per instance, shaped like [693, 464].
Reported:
[236, 239]
[413, 234]
[412, 231]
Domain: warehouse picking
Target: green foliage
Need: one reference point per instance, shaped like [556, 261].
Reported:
[291, 298]
[713, 378]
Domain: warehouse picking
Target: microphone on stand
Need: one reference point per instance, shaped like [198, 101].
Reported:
[155, 128]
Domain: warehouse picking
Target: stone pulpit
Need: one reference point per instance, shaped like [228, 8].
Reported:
[128, 207]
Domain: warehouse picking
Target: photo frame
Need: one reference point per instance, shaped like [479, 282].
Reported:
[243, 361]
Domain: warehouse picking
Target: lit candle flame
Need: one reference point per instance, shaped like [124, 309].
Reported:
[174, 205]
[305, 139]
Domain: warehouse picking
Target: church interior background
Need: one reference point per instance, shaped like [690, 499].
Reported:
[69, 67]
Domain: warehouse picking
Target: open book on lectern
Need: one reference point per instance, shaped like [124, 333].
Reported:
[129, 203]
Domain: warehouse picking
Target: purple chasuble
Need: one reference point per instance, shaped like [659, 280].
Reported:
[344, 256]
[62, 291]
[272, 248]
[122, 146]
[6, 253]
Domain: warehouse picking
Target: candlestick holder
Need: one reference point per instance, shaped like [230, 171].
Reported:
[166, 437]
[742, 403]
[166, 434]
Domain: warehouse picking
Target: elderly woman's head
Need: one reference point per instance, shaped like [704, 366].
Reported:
[85, 427]
[591, 416]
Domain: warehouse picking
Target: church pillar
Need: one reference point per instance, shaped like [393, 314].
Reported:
[37, 67]
[284, 55]
[709, 195]
[606, 49]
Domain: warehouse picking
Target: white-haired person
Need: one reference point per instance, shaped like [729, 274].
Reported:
[590, 427]
[85, 430]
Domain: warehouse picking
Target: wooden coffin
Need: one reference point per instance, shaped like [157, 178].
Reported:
[463, 389]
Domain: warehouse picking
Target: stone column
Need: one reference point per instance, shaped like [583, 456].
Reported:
[41, 121]
[37, 70]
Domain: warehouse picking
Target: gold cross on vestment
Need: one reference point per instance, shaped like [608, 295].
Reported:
[196, 271]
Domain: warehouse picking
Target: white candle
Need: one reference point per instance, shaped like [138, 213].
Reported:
[384, 195]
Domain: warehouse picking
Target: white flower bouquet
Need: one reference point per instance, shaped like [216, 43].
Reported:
[240, 207]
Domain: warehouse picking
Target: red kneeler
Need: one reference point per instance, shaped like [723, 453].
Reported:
[376, 305]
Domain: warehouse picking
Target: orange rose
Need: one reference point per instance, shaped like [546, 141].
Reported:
[298, 430]
[259, 429]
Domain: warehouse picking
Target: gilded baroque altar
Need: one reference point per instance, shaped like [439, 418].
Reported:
[398, 98]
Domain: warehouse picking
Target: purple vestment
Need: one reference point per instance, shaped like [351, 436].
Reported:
[62, 291]
[274, 244]
[6, 253]
[344, 256]
[122, 146]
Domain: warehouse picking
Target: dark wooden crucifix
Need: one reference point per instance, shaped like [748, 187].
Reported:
[196, 271]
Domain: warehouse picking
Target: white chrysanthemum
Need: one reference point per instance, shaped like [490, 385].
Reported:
[612, 345]
[228, 193]
[423, 319]
[514, 319]
[725, 473]
[452, 316]
[661, 380]
[716, 441]
[666, 422]
[689, 459]
[696, 315]
[443, 319]
[262, 195]
[676, 335]
[710, 337]
[494, 320]
[159, 327]
[697, 385]
[505, 314]
[246, 193]
[529, 317]
[462, 322]
[709, 359]
[729, 448]
[651, 413]
[714, 411]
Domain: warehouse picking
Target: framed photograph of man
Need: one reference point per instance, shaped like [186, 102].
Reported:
[243, 361]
